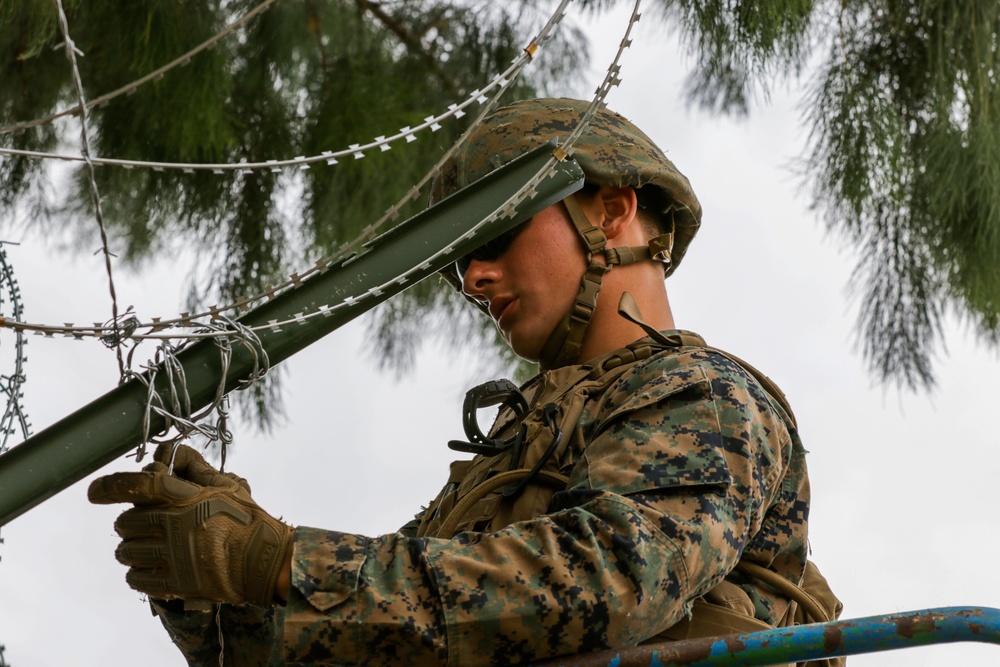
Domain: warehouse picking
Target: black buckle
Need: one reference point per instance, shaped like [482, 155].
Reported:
[495, 392]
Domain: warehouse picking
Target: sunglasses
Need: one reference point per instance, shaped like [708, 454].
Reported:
[489, 251]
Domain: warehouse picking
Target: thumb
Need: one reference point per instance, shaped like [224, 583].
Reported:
[140, 488]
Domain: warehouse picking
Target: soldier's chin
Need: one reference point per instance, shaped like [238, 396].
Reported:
[522, 348]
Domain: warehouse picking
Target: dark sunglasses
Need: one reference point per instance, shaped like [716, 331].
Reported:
[490, 250]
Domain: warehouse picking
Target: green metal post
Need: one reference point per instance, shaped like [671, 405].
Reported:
[110, 426]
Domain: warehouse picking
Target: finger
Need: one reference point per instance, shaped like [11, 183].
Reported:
[121, 487]
[177, 455]
[165, 453]
[155, 466]
[140, 488]
[137, 523]
[192, 466]
[239, 480]
[142, 554]
[152, 582]
[200, 472]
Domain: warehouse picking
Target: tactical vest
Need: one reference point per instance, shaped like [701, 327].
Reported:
[491, 492]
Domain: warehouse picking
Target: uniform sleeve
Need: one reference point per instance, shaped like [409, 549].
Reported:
[249, 637]
[658, 510]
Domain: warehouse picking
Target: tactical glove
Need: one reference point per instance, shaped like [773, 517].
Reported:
[196, 534]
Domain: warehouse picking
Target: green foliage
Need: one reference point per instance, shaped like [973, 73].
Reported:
[904, 115]
[32, 79]
[906, 163]
[739, 45]
[305, 76]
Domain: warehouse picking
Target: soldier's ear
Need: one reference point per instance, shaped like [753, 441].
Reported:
[618, 209]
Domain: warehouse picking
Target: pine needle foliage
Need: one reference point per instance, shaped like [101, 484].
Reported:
[906, 165]
[740, 47]
[904, 156]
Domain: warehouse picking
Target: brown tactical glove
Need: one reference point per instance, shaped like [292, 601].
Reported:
[196, 534]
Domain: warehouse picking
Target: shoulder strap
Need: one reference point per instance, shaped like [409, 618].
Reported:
[488, 486]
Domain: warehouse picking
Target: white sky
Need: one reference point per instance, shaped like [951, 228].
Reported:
[904, 487]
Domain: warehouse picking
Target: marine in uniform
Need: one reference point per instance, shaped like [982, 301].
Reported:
[644, 486]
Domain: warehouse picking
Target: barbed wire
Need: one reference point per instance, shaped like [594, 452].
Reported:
[355, 151]
[15, 417]
[159, 329]
[95, 195]
[126, 328]
[156, 74]
[175, 407]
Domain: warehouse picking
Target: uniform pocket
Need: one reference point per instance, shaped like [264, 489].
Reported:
[326, 566]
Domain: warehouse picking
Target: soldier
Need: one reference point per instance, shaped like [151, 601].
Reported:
[643, 487]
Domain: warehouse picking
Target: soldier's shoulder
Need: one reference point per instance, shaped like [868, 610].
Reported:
[689, 362]
[685, 373]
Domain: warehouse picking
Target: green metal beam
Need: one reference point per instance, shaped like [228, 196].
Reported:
[110, 426]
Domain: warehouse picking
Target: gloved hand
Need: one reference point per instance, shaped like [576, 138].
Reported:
[196, 534]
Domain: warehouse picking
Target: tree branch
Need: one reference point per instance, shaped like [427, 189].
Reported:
[409, 39]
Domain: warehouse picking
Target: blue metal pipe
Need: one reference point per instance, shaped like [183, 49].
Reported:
[807, 642]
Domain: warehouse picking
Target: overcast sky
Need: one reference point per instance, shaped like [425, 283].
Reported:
[904, 486]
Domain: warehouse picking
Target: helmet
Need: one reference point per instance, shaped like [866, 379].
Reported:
[611, 151]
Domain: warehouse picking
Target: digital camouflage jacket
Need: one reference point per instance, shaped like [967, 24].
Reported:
[678, 464]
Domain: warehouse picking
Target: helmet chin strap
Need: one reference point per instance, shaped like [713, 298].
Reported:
[566, 341]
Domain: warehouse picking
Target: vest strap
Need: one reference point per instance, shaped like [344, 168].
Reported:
[447, 529]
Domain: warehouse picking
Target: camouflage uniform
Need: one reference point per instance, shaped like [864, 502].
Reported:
[679, 464]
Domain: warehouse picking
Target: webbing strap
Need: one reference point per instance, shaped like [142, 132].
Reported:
[787, 588]
[447, 529]
[563, 345]
[629, 309]
[592, 236]
[627, 255]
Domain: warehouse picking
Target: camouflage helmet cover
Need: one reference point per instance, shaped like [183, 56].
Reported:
[611, 151]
